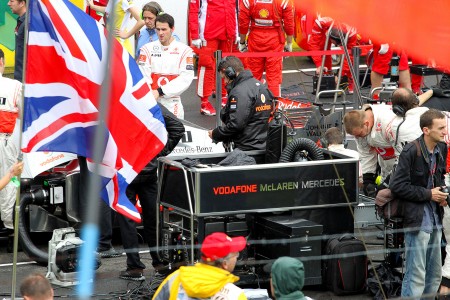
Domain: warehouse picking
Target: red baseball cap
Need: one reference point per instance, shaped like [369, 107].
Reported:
[218, 245]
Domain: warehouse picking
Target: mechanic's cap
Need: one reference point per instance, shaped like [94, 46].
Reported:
[218, 245]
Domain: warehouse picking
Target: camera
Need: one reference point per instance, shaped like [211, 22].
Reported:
[444, 189]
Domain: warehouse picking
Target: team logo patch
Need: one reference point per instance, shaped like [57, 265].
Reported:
[190, 60]
[189, 67]
[142, 57]
[155, 48]
[263, 107]
[263, 98]
[263, 13]
[233, 103]
[162, 81]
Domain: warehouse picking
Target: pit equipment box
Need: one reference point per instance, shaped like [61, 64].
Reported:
[284, 235]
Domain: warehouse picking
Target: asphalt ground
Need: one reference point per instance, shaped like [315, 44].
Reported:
[107, 284]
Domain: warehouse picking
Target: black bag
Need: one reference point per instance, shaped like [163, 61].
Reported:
[388, 278]
[386, 206]
[345, 272]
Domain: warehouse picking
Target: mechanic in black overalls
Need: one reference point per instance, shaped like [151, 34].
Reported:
[246, 115]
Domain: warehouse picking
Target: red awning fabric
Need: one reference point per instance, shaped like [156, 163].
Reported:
[422, 28]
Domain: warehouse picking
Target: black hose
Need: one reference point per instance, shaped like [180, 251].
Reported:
[313, 152]
[33, 252]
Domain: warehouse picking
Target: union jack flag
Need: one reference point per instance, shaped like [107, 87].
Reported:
[65, 69]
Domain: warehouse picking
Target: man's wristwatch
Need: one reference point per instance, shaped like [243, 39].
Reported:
[242, 43]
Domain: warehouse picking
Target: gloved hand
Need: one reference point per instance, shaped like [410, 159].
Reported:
[370, 190]
[288, 47]
[237, 40]
[369, 186]
[437, 92]
[197, 43]
[383, 49]
[242, 47]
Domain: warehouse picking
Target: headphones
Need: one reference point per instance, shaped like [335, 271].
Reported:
[229, 71]
[158, 11]
[400, 110]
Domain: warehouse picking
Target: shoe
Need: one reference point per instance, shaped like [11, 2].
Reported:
[350, 88]
[156, 263]
[160, 266]
[109, 253]
[132, 274]
[207, 109]
[224, 101]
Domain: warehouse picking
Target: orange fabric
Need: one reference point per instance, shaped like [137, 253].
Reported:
[396, 21]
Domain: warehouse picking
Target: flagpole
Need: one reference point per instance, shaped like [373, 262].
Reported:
[17, 205]
[90, 230]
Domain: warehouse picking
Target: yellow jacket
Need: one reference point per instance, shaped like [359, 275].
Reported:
[199, 282]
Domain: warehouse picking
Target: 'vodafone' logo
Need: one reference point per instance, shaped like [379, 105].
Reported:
[163, 81]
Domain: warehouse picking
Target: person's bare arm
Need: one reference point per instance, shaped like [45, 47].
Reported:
[139, 24]
[15, 170]
[425, 97]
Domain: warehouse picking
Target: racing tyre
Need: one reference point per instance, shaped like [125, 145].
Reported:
[301, 149]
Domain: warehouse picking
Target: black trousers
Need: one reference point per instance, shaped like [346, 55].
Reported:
[145, 188]
[105, 212]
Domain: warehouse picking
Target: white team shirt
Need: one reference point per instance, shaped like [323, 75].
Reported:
[374, 144]
[10, 99]
[169, 67]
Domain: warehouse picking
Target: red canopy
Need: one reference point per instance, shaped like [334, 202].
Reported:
[422, 28]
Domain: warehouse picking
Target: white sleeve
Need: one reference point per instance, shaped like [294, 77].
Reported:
[19, 96]
[447, 137]
[186, 74]
[390, 136]
[145, 63]
[367, 156]
[126, 5]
